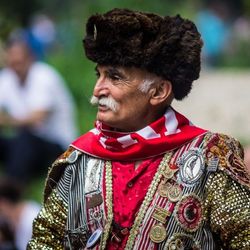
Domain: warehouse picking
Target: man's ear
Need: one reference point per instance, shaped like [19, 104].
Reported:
[161, 92]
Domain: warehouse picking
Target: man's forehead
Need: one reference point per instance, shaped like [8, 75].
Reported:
[133, 71]
[111, 67]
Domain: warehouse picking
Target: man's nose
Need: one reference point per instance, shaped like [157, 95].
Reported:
[101, 87]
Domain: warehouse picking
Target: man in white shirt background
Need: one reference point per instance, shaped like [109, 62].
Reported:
[38, 109]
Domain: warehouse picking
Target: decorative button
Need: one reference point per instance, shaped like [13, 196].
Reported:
[189, 212]
[174, 193]
[158, 233]
[130, 184]
[160, 214]
[192, 167]
[94, 238]
[73, 157]
[163, 188]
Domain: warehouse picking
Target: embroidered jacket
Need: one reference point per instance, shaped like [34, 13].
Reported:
[199, 199]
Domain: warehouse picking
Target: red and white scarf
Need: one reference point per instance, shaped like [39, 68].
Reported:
[167, 133]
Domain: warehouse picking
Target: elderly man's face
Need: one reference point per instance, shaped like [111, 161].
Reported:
[19, 59]
[121, 104]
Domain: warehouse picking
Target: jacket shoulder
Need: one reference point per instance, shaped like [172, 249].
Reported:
[57, 169]
[230, 155]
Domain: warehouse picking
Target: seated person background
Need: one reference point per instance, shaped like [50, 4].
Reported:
[38, 108]
[18, 212]
[6, 235]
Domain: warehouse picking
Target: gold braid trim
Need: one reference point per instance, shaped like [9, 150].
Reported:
[109, 204]
[49, 225]
[147, 200]
[143, 208]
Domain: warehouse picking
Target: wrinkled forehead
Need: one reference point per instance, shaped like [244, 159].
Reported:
[128, 72]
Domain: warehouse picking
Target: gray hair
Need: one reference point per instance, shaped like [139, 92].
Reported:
[145, 85]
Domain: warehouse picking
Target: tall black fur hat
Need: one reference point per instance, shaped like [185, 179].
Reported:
[169, 47]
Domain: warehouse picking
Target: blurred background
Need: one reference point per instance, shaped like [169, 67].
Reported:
[220, 98]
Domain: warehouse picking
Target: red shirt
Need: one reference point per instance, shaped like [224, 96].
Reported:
[130, 186]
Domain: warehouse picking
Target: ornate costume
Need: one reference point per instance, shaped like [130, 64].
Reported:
[197, 198]
[169, 184]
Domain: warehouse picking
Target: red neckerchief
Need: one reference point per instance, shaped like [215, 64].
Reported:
[168, 132]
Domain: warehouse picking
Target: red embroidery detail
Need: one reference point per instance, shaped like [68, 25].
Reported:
[189, 213]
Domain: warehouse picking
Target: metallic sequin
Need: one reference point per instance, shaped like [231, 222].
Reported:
[49, 226]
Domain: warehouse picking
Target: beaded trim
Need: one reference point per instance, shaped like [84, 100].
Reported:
[147, 200]
[143, 208]
[109, 202]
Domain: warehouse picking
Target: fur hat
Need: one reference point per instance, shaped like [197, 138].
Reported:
[169, 47]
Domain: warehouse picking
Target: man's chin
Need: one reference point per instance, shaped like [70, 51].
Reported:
[103, 119]
[107, 122]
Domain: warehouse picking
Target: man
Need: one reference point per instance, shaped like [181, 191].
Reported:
[145, 177]
[36, 113]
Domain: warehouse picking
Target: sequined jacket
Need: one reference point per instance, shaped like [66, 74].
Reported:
[198, 199]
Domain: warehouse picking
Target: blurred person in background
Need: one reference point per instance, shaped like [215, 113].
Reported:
[42, 35]
[18, 212]
[7, 237]
[1, 54]
[36, 110]
[213, 25]
[145, 177]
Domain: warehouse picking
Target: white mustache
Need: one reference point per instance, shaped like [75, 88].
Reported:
[109, 102]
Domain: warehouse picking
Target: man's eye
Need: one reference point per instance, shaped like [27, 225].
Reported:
[97, 74]
[117, 78]
[114, 77]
